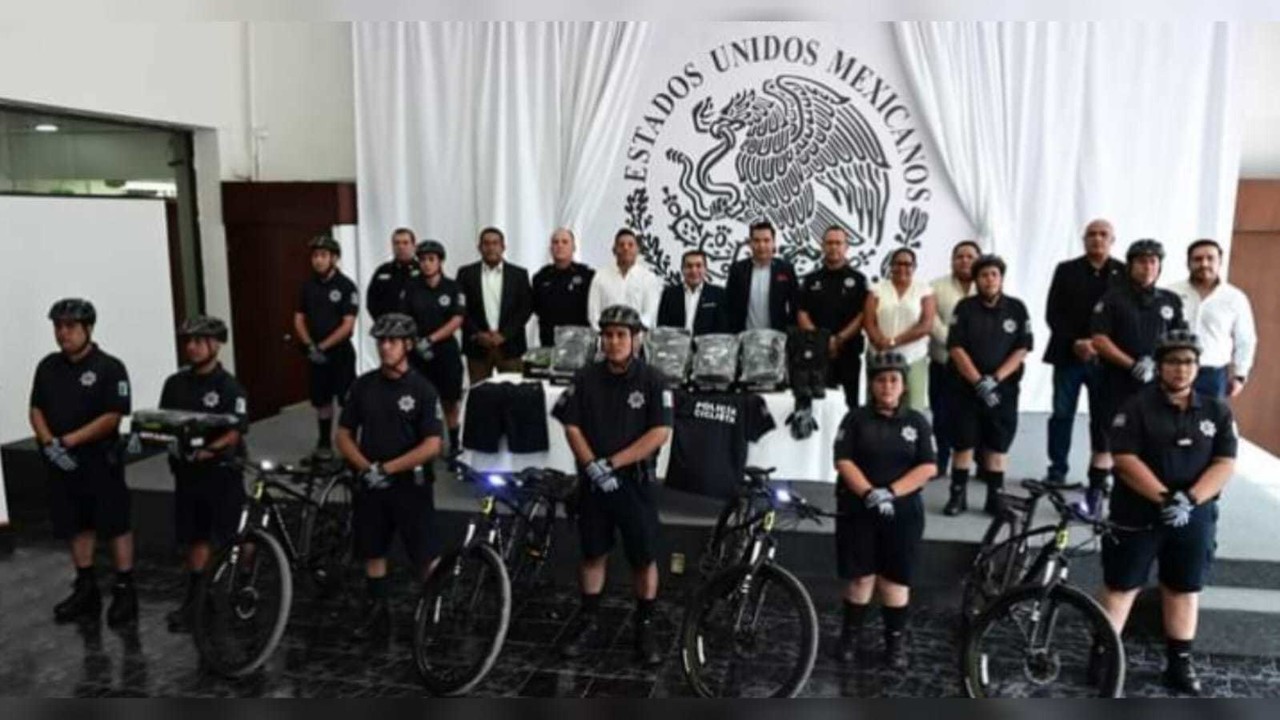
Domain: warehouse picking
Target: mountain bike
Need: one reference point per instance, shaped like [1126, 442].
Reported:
[750, 629]
[465, 609]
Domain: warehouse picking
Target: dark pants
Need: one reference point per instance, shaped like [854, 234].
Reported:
[1213, 382]
[1067, 379]
[941, 403]
[845, 372]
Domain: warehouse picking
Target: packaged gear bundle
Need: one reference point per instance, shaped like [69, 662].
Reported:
[807, 362]
[715, 361]
[669, 351]
[575, 348]
[764, 359]
[536, 362]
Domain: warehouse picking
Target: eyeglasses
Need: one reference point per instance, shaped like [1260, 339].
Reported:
[1179, 361]
[902, 263]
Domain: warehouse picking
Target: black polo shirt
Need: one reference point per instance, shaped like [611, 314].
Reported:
[1176, 444]
[71, 395]
[560, 298]
[613, 410]
[990, 333]
[1076, 288]
[833, 298]
[432, 307]
[709, 441]
[389, 286]
[389, 417]
[215, 392]
[325, 302]
[1135, 318]
[883, 447]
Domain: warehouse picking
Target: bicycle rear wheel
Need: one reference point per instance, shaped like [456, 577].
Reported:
[1038, 642]
[999, 567]
[461, 620]
[750, 639]
[243, 603]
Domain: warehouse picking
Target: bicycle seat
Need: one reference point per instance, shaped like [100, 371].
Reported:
[758, 474]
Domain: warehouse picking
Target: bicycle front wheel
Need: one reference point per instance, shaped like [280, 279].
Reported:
[242, 605]
[461, 620]
[1037, 642]
[750, 638]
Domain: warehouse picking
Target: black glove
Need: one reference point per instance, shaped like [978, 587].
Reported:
[316, 355]
[801, 420]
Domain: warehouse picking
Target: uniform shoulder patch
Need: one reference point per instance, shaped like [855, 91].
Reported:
[122, 388]
[241, 406]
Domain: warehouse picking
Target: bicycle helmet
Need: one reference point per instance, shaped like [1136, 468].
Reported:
[431, 247]
[394, 325]
[623, 315]
[326, 242]
[1177, 340]
[884, 362]
[986, 261]
[75, 310]
[1144, 247]
[203, 326]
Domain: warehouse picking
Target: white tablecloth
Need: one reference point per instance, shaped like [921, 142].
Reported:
[808, 459]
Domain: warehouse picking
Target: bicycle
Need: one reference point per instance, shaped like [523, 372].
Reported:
[1023, 642]
[734, 642]
[245, 595]
[464, 612]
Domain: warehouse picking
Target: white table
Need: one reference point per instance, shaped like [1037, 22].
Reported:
[808, 459]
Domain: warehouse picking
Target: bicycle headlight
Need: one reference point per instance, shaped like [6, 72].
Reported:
[497, 481]
[782, 495]
[267, 465]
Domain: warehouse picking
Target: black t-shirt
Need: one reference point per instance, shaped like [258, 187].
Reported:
[1135, 318]
[833, 298]
[388, 288]
[1077, 286]
[614, 410]
[325, 303]
[389, 417]
[432, 307]
[1177, 445]
[883, 447]
[215, 392]
[70, 394]
[709, 441]
[990, 333]
[560, 298]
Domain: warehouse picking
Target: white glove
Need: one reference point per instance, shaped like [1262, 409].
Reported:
[374, 478]
[134, 446]
[316, 355]
[423, 348]
[59, 456]
[1176, 511]
[881, 500]
[1144, 369]
[600, 472]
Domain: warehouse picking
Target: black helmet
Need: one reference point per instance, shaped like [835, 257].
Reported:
[203, 326]
[985, 261]
[885, 361]
[394, 325]
[1145, 246]
[74, 309]
[431, 247]
[624, 315]
[1177, 340]
[326, 242]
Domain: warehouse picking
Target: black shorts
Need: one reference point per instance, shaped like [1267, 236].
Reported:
[207, 503]
[1185, 554]
[330, 381]
[629, 511]
[1117, 387]
[845, 372]
[517, 410]
[407, 509]
[867, 544]
[444, 371]
[94, 497]
[975, 425]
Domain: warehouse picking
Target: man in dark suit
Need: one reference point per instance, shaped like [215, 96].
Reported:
[761, 292]
[695, 305]
[499, 303]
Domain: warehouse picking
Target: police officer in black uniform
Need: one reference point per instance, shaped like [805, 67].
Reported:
[388, 288]
[617, 414]
[389, 433]
[560, 289]
[989, 338]
[324, 322]
[77, 400]
[1174, 452]
[438, 307]
[1126, 323]
[832, 298]
[884, 454]
[208, 489]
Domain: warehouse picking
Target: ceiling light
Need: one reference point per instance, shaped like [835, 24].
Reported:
[46, 127]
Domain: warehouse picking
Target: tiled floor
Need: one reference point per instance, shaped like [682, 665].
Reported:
[39, 658]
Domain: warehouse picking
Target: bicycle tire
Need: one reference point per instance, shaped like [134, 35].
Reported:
[434, 632]
[975, 662]
[328, 531]
[213, 611]
[527, 542]
[997, 568]
[727, 586]
[727, 543]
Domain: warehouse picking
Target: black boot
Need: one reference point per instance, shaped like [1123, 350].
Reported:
[646, 645]
[375, 622]
[124, 603]
[1179, 673]
[84, 601]
[847, 646]
[1097, 663]
[580, 635]
[895, 651]
[958, 502]
[995, 485]
[182, 619]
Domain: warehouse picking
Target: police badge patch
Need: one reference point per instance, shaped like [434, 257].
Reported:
[88, 378]
[444, 301]
[636, 400]
[210, 399]
[407, 403]
[1009, 326]
[335, 295]
[1208, 428]
[1166, 312]
[909, 434]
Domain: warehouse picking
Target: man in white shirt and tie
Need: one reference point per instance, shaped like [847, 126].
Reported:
[627, 282]
[695, 304]
[1220, 314]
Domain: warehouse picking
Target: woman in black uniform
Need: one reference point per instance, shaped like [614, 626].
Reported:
[884, 454]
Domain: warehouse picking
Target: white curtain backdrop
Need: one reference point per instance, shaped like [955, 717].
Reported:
[1044, 126]
[460, 125]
